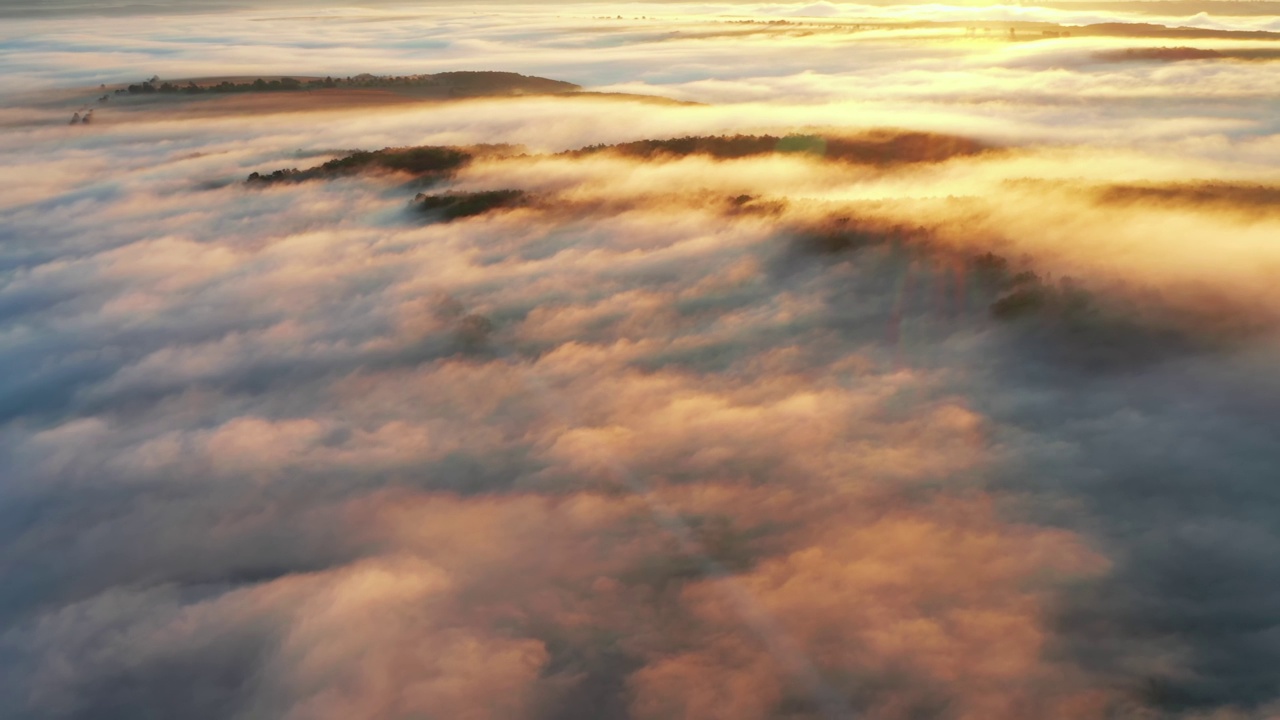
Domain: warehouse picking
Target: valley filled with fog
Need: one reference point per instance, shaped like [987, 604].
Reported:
[776, 361]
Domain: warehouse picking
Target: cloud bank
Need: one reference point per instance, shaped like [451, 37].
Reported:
[979, 426]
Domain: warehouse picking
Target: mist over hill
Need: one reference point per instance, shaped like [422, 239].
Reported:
[915, 364]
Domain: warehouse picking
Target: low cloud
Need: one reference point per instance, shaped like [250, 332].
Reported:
[984, 432]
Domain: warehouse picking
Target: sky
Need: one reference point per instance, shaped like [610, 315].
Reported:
[959, 405]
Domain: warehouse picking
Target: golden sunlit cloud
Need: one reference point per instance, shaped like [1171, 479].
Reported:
[730, 361]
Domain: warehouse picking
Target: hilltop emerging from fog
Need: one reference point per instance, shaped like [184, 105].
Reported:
[287, 93]
[445, 84]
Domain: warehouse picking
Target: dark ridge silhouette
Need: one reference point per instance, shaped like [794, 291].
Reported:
[469, 82]
[463, 83]
[1237, 196]
[258, 85]
[283, 175]
[416, 160]
[1107, 332]
[452, 206]
[1152, 30]
[1073, 323]
[880, 147]
[753, 205]
[1160, 54]
[845, 233]
[426, 161]
[1251, 54]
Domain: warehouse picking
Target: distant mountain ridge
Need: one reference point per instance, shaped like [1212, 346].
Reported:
[493, 81]
[454, 83]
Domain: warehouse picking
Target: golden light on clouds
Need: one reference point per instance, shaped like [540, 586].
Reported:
[784, 361]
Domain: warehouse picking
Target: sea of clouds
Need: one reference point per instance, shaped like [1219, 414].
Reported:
[654, 445]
